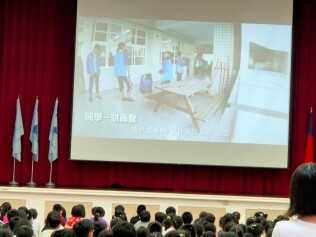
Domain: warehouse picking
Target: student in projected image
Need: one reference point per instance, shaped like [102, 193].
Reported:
[122, 72]
[167, 69]
[93, 70]
[180, 66]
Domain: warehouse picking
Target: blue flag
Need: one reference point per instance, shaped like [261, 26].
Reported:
[34, 132]
[18, 132]
[53, 136]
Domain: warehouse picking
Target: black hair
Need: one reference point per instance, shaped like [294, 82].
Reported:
[229, 234]
[65, 232]
[160, 216]
[57, 207]
[255, 229]
[303, 191]
[209, 226]
[98, 227]
[189, 228]
[24, 230]
[144, 216]
[170, 210]
[187, 217]
[33, 213]
[141, 207]
[177, 222]
[97, 212]
[114, 221]
[12, 222]
[237, 229]
[125, 229]
[82, 228]
[199, 229]
[209, 217]
[172, 233]
[154, 227]
[142, 232]
[78, 211]
[53, 219]
[105, 233]
[5, 232]
[209, 234]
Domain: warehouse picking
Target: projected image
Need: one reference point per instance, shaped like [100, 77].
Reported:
[157, 80]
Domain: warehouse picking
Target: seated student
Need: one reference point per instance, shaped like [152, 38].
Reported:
[77, 214]
[83, 228]
[65, 232]
[190, 229]
[59, 208]
[209, 234]
[136, 218]
[97, 228]
[119, 212]
[171, 211]
[36, 225]
[187, 217]
[144, 219]
[154, 227]
[98, 216]
[23, 230]
[142, 232]
[255, 229]
[160, 216]
[106, 233]
[4, 208]
[237, 229]
[52, 224]
[123, 229]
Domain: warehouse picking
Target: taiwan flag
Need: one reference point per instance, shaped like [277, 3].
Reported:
[309, 152]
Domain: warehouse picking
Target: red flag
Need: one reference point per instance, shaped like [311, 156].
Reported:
[309, 151]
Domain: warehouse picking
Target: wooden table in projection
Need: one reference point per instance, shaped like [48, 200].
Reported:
[172, 94]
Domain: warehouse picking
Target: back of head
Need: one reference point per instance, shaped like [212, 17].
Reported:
[23, 228]
[65, 232]
[177, 222]
[160, 216]
[144, 216]
[5, 232]
[171, 210]
[303, 191]
[140, 208]
[124, 229]
[172, 233]
[76, 211]
[187, 217]
[208, 226]
[97, 227]
[13, 221]
[238, 230]
[255, 229]
[189, 228]
[208, 234]
[155, 227]
[229, 234]
[57, 207]
[105, 233]
[83, 228]
[33, 213]
[5, 207]
[12, 213]
[210, 217]
[97, 212]
[114, 221]
[53, 219]
[199, 229]
[142, 232]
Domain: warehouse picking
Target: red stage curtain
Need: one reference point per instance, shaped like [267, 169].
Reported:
[36, 59]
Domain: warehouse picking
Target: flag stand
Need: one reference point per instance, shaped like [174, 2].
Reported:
[50, 184]
[31, 183]
[13, 182]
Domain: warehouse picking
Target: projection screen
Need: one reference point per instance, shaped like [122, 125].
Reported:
[203, 82]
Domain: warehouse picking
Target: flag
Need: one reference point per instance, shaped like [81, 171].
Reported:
[18, 132]
[34, 132]
[309, 151]
[53, 136]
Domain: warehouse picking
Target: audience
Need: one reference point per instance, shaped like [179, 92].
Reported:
[136, 218]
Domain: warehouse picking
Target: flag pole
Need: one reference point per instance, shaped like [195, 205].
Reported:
[13, 182]
[31, 183]
[50, 184]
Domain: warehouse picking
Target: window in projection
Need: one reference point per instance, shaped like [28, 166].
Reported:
[203, 84]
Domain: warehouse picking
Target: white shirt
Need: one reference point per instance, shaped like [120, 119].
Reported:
[294, 228]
